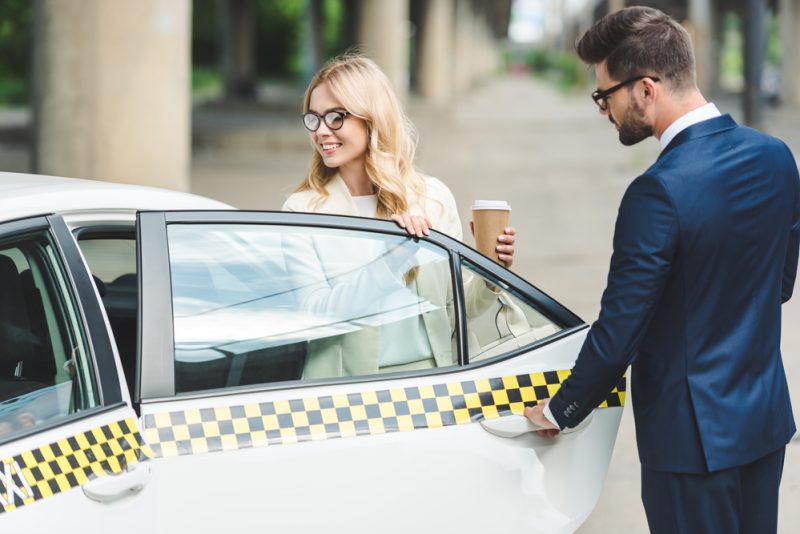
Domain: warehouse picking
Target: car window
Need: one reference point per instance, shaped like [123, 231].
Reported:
[112, 262]
[499, 319]
[256, 304]
[109, 258]
[46, 372]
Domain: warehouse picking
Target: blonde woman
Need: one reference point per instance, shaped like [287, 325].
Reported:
[363, 165]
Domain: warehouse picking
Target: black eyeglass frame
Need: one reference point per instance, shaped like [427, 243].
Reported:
[601, 97]
[324, 118]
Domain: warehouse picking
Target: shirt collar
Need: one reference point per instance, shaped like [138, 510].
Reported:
[703, 113]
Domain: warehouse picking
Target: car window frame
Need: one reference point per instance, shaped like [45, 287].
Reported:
[156, 337]
[89, 316]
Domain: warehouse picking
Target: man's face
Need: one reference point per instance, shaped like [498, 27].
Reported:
[625, 110]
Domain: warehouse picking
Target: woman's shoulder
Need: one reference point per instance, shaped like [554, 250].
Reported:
[441, 207]
[300, 201]
[436, 189]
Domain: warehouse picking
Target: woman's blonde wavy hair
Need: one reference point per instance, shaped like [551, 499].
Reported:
[365, 91]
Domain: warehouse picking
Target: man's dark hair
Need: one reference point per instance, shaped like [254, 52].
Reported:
[640, 40]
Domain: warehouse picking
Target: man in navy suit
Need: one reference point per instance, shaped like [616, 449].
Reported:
[705, 253]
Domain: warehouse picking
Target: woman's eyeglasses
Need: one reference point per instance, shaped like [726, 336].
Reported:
[333, 120]
[601, 97]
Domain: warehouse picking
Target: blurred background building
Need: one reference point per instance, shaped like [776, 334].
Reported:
[109, 85]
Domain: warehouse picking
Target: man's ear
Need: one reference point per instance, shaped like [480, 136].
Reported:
[649, 87]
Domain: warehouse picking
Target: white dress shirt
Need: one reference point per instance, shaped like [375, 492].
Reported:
[703, 113]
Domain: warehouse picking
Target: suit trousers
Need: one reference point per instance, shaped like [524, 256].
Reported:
[739, 500]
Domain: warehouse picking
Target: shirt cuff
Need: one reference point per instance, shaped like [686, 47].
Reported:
[549, 416]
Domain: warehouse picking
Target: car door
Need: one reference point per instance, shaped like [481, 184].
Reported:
[310, 372]
[71, 454]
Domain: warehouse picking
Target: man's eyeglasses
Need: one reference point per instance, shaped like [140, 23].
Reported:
[601, 97]
[333, 120]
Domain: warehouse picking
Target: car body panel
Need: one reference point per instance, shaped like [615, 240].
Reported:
[209, 460]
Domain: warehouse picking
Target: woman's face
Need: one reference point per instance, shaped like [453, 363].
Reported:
[343, 148]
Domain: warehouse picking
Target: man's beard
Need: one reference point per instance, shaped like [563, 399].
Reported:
[632, 126]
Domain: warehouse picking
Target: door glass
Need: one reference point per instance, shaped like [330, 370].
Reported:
[257, 304]
[499, 320]
[45, 369]
[112, 262]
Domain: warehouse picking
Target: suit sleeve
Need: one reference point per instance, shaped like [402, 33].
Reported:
[790, 264]
[645, 243]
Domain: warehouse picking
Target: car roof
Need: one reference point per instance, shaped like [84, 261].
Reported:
[27, 195]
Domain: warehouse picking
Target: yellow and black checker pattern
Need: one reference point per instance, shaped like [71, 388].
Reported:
[203, 430]
[69, 462]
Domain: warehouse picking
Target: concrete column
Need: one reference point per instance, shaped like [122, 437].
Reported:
[383, 32]
[435, 50]
[615, 5]
[789, 12]
[351, 16]
[754, 47]
[463, 46]
[313, 43]
[700, 28]
[239, 48]
[717, 29]
[112, 90]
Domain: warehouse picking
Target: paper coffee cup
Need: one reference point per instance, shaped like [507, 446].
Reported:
[490, 219]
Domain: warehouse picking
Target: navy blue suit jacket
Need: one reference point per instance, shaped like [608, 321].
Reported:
[705, 253]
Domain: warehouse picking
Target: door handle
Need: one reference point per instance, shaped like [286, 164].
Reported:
[110, 488]
[511, 426]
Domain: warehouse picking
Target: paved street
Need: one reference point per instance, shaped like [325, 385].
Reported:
[563, 170]
[553, 157]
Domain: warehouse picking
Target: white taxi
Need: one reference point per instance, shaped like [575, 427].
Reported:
[170, 364]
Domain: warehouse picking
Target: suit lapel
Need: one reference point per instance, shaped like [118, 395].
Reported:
[340, 201]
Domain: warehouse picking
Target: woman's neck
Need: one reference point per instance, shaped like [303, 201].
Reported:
[356, 180]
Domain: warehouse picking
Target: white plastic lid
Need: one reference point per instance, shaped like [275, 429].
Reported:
[491, 205]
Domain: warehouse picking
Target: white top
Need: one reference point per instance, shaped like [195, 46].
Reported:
[367, 205]
[703, 113]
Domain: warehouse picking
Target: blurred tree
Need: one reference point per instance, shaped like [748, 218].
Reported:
[16, 56]
[207, 33]
[279, 26]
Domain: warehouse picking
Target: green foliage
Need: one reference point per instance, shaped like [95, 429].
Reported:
[16, 51]
[205, 79]
[207, 16]
[773, 42]
[334, 22]
[732, 50]
[562, 68]
[279, 25]
[540, 60]
[280, 34]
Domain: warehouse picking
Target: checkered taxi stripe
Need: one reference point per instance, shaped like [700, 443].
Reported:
[372, 412]
[69, 462]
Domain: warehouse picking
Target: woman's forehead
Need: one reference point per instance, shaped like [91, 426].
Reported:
[322, 99]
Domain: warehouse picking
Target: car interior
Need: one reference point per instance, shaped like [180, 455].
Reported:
[38, 349]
